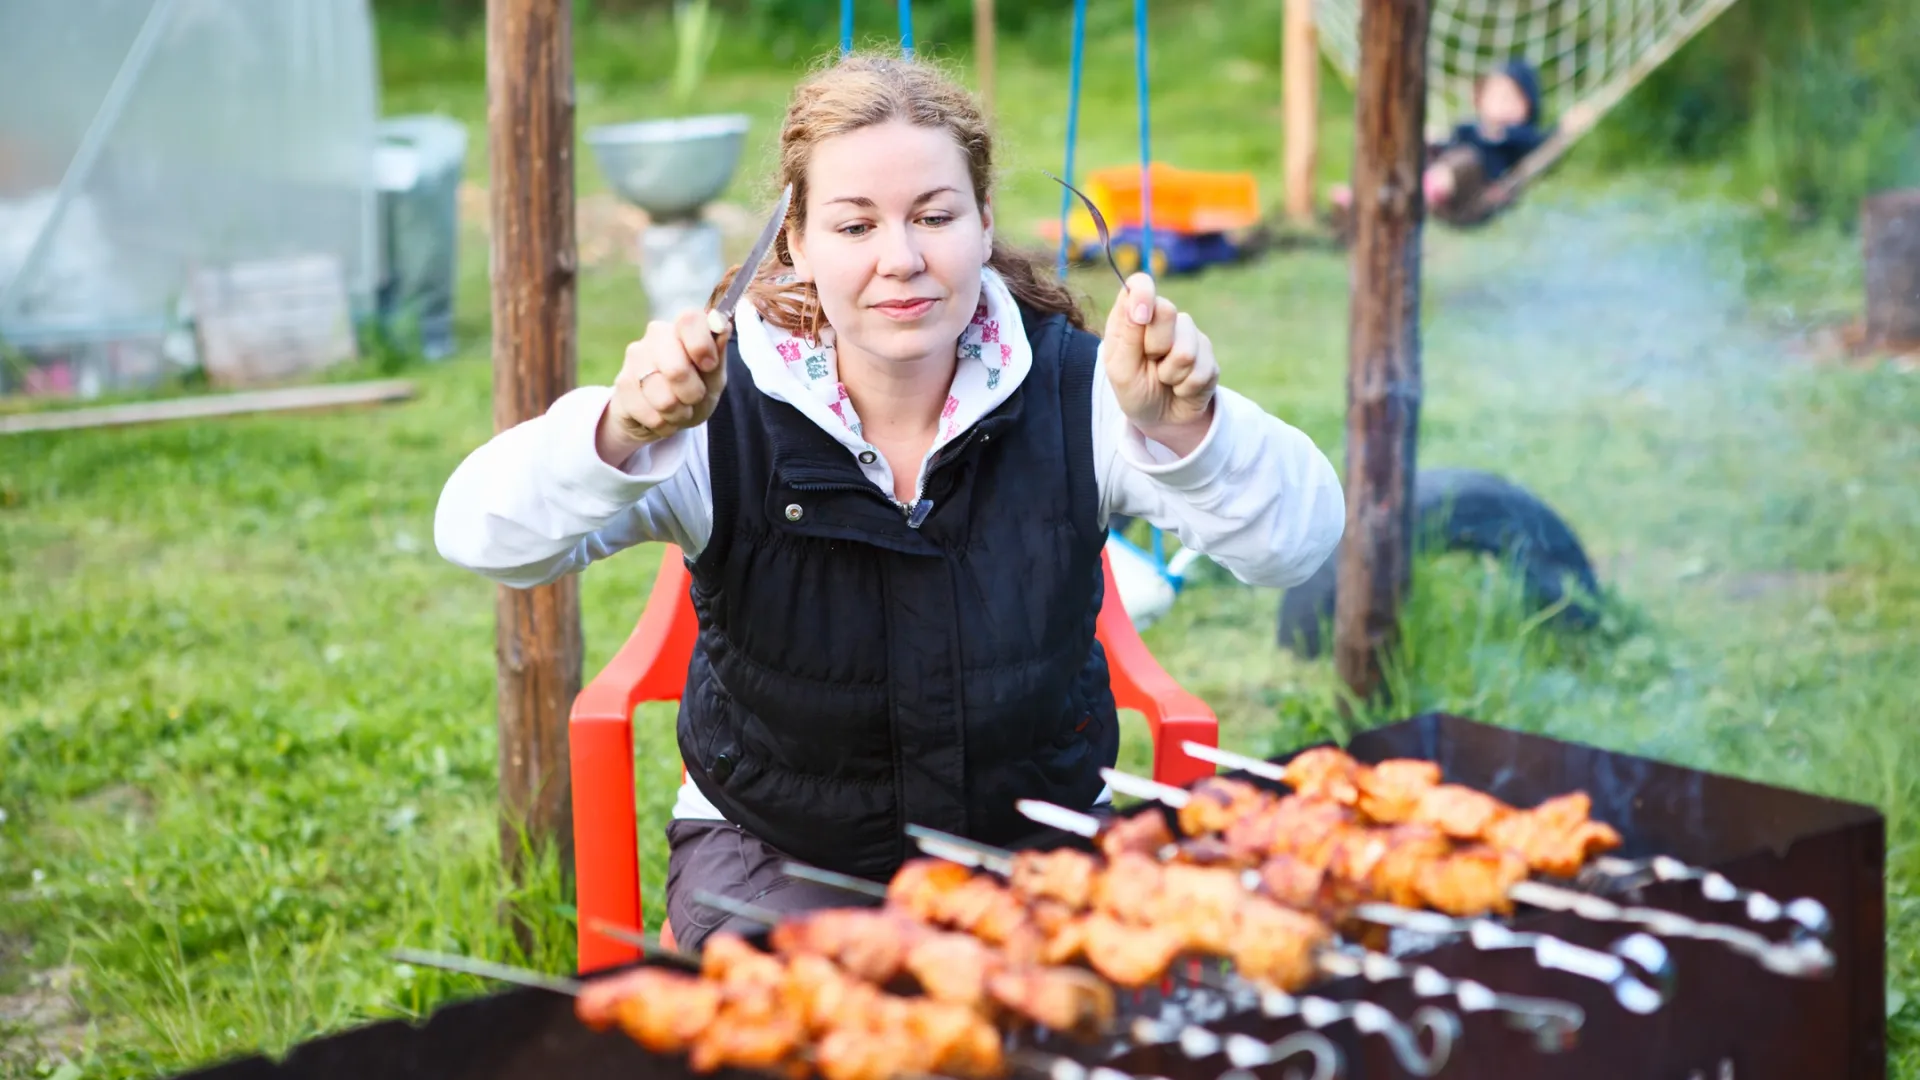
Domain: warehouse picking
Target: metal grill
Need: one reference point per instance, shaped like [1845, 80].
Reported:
[1726, 1017]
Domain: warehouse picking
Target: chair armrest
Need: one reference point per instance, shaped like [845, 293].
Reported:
[1174, 716]
[650, 666]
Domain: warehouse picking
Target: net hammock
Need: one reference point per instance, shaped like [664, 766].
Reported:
[1589, 54]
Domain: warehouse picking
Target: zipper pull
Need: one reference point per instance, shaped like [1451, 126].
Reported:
[917, 514]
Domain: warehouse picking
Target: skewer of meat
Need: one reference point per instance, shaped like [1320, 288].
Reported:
[1293, 881]
[1312, 852]
[1056, 998]
[1557, 837]
[1406, 864]
[794, 935]
[1456, 807]
[1133, 885]
[1133, 921]
[885, 947]
[747, 1010]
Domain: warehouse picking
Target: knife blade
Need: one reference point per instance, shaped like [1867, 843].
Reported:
[722, 314]
[1099, 225]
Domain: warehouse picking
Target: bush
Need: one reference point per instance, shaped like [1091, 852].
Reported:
[1818, 102]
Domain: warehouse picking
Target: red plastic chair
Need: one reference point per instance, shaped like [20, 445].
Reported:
[652, 666]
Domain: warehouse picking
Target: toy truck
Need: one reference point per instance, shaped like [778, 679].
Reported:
[1199, 218]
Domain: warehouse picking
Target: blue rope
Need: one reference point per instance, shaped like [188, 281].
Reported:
[846, 27]
[1146, 155]
[906, 26]
[1073, 123]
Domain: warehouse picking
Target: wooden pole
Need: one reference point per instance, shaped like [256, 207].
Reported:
[537, 636]
[1890, 239]
[1300, 105]
[1383, 374]
[983, 61]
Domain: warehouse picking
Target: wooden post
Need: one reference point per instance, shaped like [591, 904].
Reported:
[537, 636]
[983, 62]
[1300, 105]
[1890, 237]
[1383, 374]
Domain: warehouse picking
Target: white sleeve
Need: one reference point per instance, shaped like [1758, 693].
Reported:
[1256, 496]
[535, 502]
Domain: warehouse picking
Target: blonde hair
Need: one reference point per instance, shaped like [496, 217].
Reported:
[861, 90]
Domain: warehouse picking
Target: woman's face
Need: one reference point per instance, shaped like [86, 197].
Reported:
[894, 240]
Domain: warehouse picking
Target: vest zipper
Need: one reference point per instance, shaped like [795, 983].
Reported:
[916, 511]
[921, 506]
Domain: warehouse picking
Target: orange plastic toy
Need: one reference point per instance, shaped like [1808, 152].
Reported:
[652, 666]
[1198, 217]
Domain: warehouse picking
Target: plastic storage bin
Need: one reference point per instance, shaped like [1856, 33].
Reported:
[418, 165]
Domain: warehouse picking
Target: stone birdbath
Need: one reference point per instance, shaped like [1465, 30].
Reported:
[672, 168]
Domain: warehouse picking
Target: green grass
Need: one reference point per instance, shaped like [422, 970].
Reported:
[246, 713]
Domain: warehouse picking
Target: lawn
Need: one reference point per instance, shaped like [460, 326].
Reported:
[246, 712]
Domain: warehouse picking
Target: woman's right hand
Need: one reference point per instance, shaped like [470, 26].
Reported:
[671, 380]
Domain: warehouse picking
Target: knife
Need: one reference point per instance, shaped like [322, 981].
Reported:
[1099, 225]
[722, 315]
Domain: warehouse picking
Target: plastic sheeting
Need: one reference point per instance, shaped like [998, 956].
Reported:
[140, 139]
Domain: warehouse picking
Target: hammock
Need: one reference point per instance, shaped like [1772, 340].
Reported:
[1589, 54]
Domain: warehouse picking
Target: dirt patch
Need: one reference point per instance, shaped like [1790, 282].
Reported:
[119, 801]
[608, 230]
[1847, 345]
[39, 1019]
[1760, 584]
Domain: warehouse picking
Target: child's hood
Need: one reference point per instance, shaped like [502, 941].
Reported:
[1528, 80]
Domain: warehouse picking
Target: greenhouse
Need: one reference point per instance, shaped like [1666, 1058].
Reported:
[166, 139]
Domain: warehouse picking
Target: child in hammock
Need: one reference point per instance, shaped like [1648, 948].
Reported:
[1505, 129]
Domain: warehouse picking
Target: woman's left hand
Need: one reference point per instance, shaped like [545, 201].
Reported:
[1161, 367]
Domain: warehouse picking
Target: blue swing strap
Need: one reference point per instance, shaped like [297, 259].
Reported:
[1146, 154]
[1073, 125]
[1144, 97]
[906, 27]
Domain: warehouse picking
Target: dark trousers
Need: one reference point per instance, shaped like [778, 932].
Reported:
[720, 857]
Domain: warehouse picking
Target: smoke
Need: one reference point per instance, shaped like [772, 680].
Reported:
[1619, 357]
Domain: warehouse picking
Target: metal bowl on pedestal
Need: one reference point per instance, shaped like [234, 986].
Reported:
[672, 169]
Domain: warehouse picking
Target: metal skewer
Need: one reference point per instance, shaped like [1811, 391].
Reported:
[646, 943]
[1799, 959]
[844, 882]
[1807, 915]
[1243, 1051]
[1328, 1062]
[487, 969]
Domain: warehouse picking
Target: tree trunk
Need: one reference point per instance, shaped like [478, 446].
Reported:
[983, 52]
[537, 638]
[1300, 104]
[1890, 233]
[1383, 373]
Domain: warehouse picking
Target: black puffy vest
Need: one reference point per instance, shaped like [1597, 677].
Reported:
[861, 667]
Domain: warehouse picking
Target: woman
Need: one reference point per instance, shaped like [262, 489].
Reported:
[892, 477]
